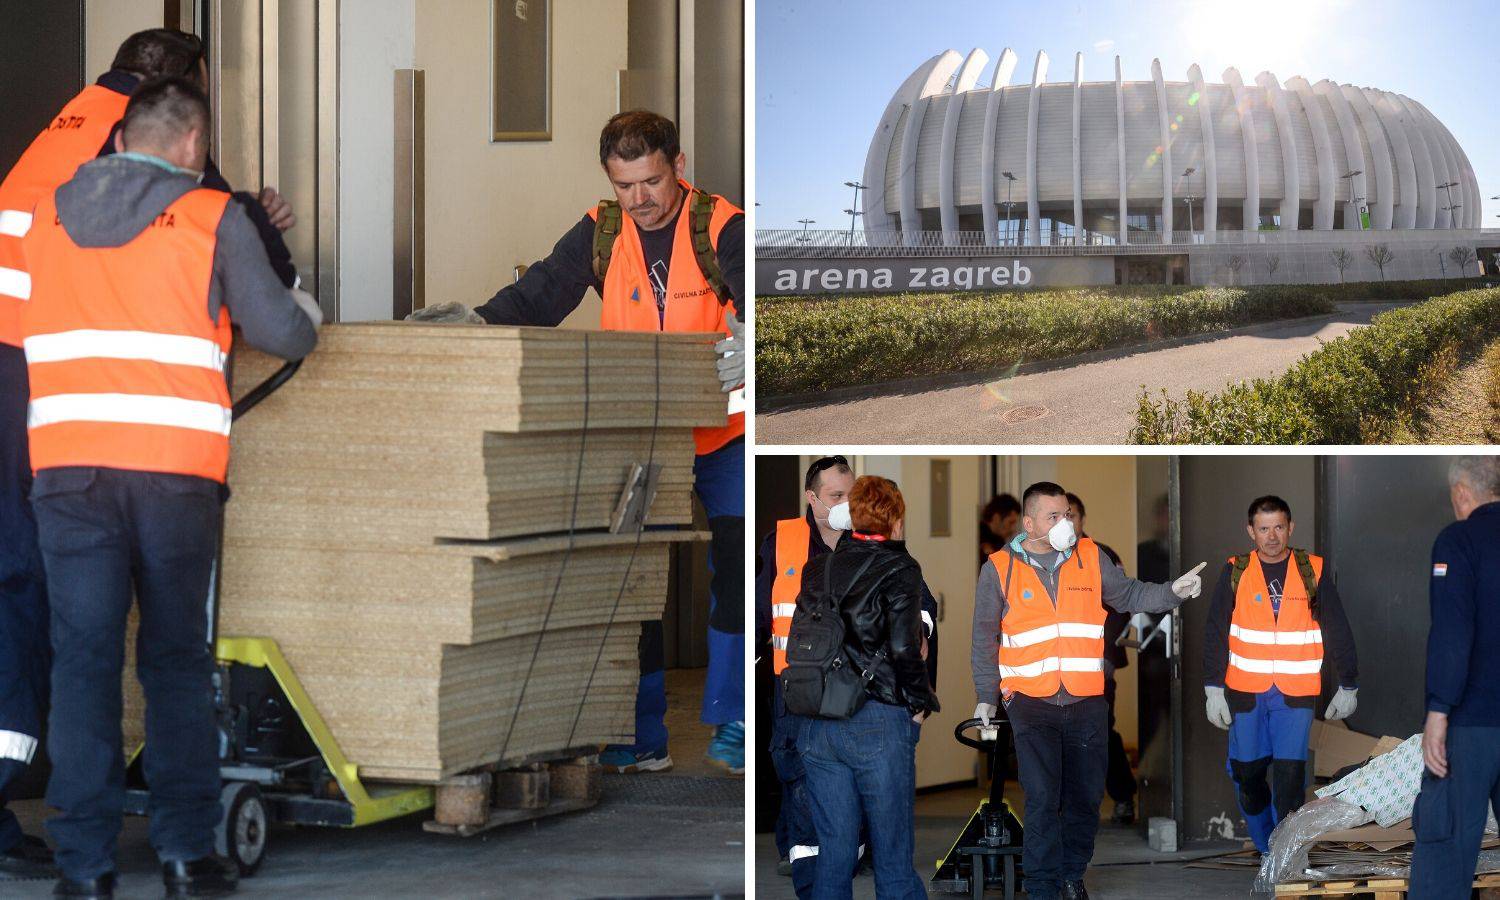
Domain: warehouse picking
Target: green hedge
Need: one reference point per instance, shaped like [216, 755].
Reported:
[1356, 389]
[808, 344]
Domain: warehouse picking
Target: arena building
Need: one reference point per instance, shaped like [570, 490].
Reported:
[1178, 181]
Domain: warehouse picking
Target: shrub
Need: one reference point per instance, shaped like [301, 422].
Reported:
[1355, 389]
[815, 343]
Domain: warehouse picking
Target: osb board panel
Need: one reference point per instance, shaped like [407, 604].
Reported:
[438, 594]
[303, 487]
[497, 378]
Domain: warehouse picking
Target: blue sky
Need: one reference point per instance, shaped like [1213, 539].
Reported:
[825, 69]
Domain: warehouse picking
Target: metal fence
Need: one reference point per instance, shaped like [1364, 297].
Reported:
[792, 243]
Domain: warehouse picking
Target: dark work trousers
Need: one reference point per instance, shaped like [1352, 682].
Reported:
[719, 480]
[106, 533]
[1450, 814]
[1120, 781]
[797, 837]
[1062, 753]
[862, 771]
[24, 654]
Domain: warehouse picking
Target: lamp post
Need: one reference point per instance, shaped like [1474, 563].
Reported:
[853, 209]
[1451, 205]
[1188, 199]
[805, 222]
[1010, 181]
[1354, 201]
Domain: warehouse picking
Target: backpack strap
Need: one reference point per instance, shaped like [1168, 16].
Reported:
[1309, 579]
[700, 216]
[606, 229]
[1237, 568]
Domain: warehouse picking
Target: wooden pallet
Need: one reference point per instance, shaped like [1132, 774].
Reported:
[1380, 888]
[520, 794]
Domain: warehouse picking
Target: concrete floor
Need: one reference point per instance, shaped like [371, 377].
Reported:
[680, 833]
[1123, 867]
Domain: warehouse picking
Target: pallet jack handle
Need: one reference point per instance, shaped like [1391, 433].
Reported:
[990, 744]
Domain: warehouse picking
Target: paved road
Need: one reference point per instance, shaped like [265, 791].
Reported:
[1093, 403]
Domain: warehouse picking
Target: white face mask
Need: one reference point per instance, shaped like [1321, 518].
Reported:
[1062, 536]
[838, 517]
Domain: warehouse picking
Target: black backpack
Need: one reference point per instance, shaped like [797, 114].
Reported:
[819, 679]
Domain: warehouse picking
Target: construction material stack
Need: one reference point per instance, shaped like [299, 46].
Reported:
[420, 521]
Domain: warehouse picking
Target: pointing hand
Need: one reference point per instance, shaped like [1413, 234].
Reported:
[1189, 585]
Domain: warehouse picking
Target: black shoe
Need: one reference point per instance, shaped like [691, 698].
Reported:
[101, 888]
[1074, 890]
[30, 860]
[206, 877]
[1124, 812]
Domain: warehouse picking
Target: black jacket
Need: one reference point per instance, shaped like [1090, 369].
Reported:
[882, 613]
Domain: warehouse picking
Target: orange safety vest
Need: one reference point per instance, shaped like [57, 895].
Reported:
[1284, 649]
[73, 138]
[126, 367]
[1044, 647]
[793, 539]
[630, 302]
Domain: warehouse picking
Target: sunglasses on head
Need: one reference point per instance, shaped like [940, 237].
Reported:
[822, 465]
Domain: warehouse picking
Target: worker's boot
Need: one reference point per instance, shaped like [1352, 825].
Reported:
[1074, 890]
[101, 888]
[727, 749]
[206, 877]
[1124, 812]
[30, 860]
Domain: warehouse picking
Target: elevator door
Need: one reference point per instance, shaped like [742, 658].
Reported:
[274, 85]
[1383, 513]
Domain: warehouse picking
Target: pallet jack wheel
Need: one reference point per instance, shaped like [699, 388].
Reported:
[241, 835]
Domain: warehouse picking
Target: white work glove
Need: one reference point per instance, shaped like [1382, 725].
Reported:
[446, 313]
[1218, 708]
[1189, 585]
[308, 305]
[731, 360]
[984, 712]
[1343, 704]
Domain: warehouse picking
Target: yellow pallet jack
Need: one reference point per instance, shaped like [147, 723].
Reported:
[278, 760]
[987, 854]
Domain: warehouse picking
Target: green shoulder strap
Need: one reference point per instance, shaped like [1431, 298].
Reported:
[700, 215]
[1309, 580]
[606, 229]
[1241, 563]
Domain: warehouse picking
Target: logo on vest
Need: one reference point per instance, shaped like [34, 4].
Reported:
[165, 220]
[791, 570]
[1026, 594]
[67, 123]
[635, 295]
[1257, 598]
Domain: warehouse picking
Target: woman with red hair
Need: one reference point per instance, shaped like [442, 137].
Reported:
[863, 769]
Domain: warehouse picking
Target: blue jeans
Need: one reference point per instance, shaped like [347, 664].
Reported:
[24, 651]
[796, 835]
[1270, 736]
[106, 535]
[863, 770]
[1062, 753]
[1450, 814]
[720, 483]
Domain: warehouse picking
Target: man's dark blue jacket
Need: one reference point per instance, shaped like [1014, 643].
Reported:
[1463, 647]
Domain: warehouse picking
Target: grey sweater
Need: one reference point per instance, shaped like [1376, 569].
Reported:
[1119, 592]
[112, 199]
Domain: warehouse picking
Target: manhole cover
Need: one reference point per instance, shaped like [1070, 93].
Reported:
[1024, 414]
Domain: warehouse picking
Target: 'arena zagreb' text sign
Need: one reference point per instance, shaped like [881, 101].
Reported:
[853, 276]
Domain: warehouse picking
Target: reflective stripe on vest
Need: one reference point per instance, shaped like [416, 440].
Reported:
[126, 368]
[630, 302]
[1283, 649]
[1045, 647]
[72, 138]
[793, 541]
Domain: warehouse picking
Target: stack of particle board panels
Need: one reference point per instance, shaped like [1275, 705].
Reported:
[419, 519]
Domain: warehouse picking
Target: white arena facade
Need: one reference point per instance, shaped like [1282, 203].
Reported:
[1175, 181]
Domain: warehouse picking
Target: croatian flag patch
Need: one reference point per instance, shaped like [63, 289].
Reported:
[1439, 570]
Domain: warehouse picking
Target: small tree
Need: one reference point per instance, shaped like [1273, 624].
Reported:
[1235, 263]
[1381, 256]
[1342, 259]
[1462, 256]
[1273, 262]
